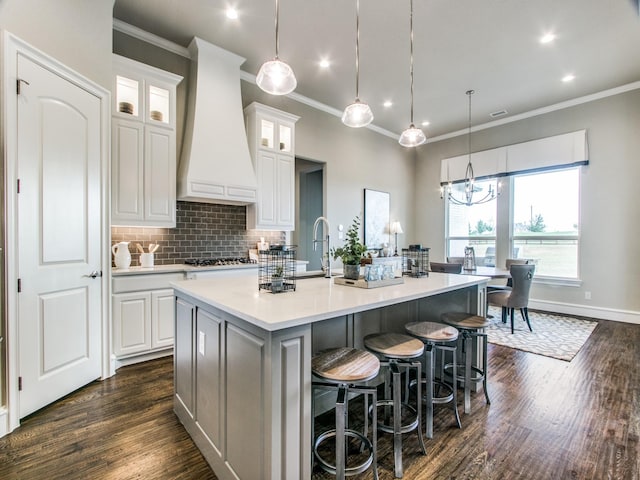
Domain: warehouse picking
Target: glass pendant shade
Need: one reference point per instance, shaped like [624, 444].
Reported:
[357, 115]
[412, 137]
[276, 77]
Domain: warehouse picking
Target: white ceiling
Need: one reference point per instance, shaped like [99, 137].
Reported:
[490, 46]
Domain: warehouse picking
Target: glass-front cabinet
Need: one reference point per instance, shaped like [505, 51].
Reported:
[143, 145]
[271, 135]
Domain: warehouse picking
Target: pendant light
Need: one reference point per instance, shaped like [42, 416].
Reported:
[412, 136]
[469, 180]
[357, 114]
[275, 76]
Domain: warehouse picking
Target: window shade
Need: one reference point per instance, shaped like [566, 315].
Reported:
[559, 151]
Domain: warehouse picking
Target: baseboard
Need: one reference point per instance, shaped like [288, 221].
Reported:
[122, 362]
[584, 311]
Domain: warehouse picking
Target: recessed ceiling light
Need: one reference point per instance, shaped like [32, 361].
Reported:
[547, 38]
[387, 104]
[569, 78]
[324, 63]
[425, 123]
[232, 13]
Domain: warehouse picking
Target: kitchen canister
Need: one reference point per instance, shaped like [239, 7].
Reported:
[121, 255]
[146, 260]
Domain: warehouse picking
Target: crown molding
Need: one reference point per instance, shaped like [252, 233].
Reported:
[541, 111]
[133, 31]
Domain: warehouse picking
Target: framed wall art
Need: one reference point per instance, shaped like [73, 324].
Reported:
[376, 218]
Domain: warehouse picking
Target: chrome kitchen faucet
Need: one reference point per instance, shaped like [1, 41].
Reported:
[325, 267]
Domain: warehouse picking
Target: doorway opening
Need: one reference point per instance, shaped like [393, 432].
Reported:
[309, 206]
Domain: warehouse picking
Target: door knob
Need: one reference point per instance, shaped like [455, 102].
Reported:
[94, 274]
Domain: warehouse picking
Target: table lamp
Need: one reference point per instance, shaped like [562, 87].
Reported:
[396, 228]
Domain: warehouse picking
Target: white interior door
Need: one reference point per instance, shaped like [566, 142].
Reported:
[58, 211]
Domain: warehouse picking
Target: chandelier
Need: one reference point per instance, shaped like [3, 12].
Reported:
[469, 179]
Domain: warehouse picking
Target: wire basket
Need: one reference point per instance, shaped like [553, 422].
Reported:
[277, 269]
[415, 261]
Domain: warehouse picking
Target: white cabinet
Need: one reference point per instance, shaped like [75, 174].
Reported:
[143, 161]
[271, 135]
[142, 321]
[131, 323]
[143, 316]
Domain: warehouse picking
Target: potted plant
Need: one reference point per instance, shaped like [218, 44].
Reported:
[352, 252]
[276, 279]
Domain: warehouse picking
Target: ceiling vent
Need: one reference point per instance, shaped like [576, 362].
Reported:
[497, 114]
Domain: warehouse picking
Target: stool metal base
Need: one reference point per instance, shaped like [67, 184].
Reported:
[391, 419]
[468, 373]
[385, 422]
[341, 432]
[348, 471]
[433, 396]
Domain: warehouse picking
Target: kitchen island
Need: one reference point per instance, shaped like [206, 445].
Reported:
[243, 358]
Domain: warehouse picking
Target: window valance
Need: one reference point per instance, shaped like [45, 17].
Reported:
[559, 151]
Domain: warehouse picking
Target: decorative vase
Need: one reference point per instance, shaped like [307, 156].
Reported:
[352, 272]
[121, 254]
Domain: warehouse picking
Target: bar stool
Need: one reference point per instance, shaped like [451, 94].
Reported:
[398, 351]
[436, 336]
[344, 369]
[470, 326]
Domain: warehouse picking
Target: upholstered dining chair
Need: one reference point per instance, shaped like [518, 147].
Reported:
[445, 267]
[517, 296]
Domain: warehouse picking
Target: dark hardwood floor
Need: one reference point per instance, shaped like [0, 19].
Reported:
[549, 419]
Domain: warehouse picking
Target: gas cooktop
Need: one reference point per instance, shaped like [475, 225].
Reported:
[220, 261]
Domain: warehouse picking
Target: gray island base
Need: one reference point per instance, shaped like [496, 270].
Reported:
[243, 358]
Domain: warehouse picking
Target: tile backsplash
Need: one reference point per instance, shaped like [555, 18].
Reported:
[203, 230]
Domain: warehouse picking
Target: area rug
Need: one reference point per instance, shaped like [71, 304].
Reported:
[554, 335]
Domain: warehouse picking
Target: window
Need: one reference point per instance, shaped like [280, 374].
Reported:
[543, 218]
[546, 221]
[472, 226]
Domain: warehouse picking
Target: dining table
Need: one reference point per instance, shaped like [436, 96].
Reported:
[493, 272]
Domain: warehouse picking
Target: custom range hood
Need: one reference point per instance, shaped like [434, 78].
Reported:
[215, 166]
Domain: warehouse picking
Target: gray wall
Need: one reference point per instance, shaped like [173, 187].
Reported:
[610, 199]
[75, 32]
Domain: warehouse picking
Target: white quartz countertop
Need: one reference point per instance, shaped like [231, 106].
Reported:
[314, 299]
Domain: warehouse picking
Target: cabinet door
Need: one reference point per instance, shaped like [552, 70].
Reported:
[209, 376]
[266, 173]
[127, 172]
[285, 195]
[131, 323]
[160, 176]
[162, 318]
[183, 355]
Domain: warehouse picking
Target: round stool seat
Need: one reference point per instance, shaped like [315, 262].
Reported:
[464, 320]
[432, 331]
[394, 345]
[345, 365]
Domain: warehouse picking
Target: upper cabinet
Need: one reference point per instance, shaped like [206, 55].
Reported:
[271, 135]
[143, 165]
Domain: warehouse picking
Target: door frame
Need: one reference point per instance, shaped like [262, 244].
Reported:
[11, 47]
